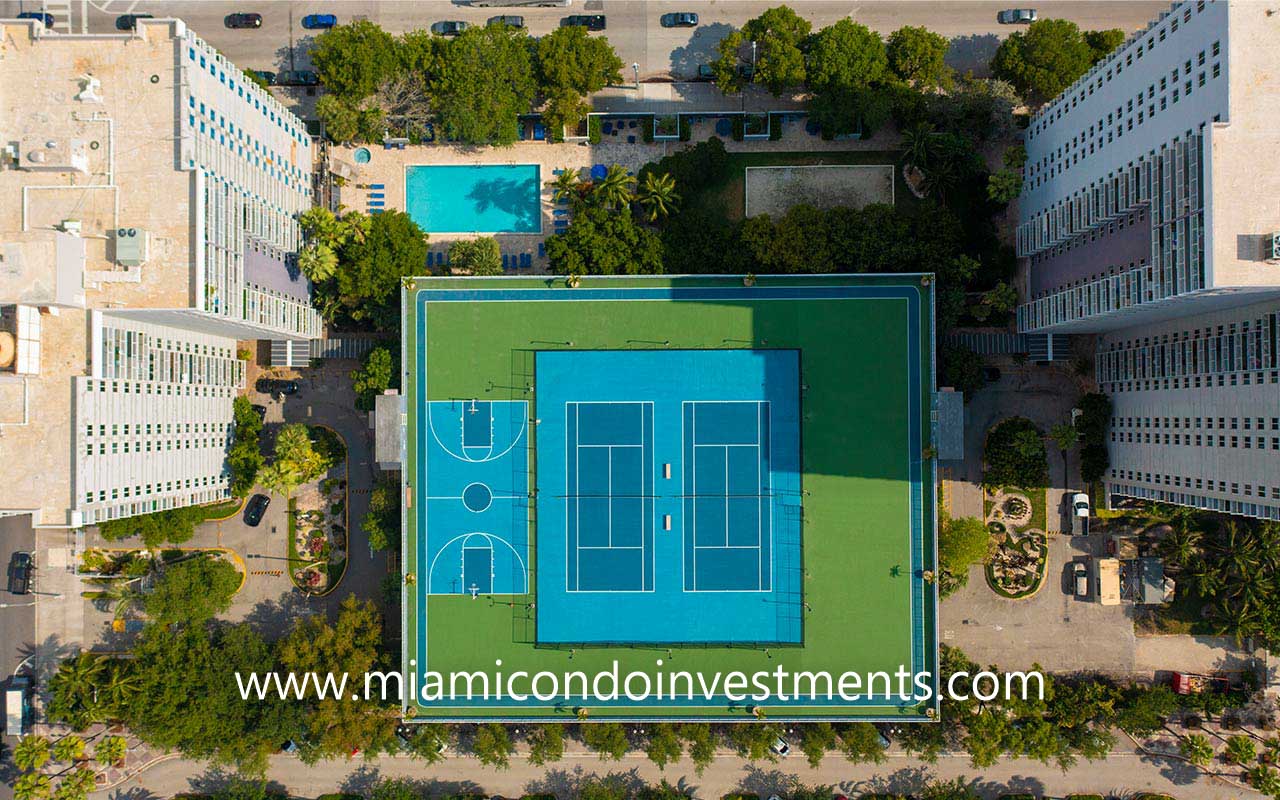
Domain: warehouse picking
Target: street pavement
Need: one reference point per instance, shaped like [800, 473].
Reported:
[1122, 773]
[17, 620]
[633, 25]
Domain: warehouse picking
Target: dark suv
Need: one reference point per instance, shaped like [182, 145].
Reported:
[20, 566]
[275, 387]
[242, 20]
[592, 22]
[255, 508]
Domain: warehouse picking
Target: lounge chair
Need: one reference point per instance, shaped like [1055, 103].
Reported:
[377, 195]
[377, 186]
[539, 133]
[557, 172]
[631, 140]
[560, 212]
[504, 261]
[526, 260]
[606, 128]
[542, 250]
[633, 124]
[376, 204]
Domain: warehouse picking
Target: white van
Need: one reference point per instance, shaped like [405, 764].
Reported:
[17, 708]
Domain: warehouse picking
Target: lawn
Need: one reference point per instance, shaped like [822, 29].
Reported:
[727, 198]
[866, 605]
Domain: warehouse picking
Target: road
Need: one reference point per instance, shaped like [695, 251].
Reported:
[633, 25]
[1121, 773]
[17, 618]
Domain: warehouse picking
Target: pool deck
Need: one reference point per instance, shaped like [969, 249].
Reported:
[387, 167]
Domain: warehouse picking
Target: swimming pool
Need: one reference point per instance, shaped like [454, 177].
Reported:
[475, 198]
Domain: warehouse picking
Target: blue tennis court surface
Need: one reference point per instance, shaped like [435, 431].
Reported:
[669, 496]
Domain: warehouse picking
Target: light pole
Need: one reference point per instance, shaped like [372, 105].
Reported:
[635, 69]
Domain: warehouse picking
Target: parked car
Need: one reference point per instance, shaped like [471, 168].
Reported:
[275, 387]
[241, 20]
[261, 411]
[127, 22]
[507, 20]
[268, 77]
[20, 566]
[1080, 504]
[319, 22]
[448, 27]
[705, 72]
[255, 508]
[680, 19]
[990, 374]
[297, 77]
[592, 22]
[780, 747]
[1016, 16]
[1080, 579]
[47, 19]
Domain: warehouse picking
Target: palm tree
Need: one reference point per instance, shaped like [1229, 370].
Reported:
[918, 145]
[614, 189]
[76, 785]
[31, 753]
[318, 262]
[1181, 546]
[566, 186]
[120, 686]
[31, 786]
[110, 750]
[68, 748]
[658, 195]
[941, 178]
[1237, 550]
[1196, 749]
[1205, 578]
[1265, 779]
[75, 690]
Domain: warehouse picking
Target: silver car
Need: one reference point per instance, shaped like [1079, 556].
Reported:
[1016, 16]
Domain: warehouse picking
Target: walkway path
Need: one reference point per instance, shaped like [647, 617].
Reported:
[1121, 773]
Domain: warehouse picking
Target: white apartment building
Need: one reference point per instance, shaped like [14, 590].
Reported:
[1151, 187]
[149, 195]
[1196, 410]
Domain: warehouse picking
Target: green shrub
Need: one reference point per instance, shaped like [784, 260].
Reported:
[1015, 455]
[646, 130]
[739, 128]
[686, 129]
[775, 127]
[593, 130]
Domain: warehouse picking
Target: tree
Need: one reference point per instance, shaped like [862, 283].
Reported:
[1142, 711]
[845, 55]
[1241, 750]
[916, 55]
[354, 59]
[318, 261]
[338, 725]
[663, 746]
[850, 109]
[193, 591]
[570, 64]
[754, 740]
[773, 42]
[1004, 185]
[485, 80]
[395, 789]
[566, 186]
[962, 541]
[429, 741]
[1015, 455]
[609, 739]
[379, 251]
[702, 744]
[1265, 780]
[382, 523]
[68, 748]
[546, 744]
[918, 145]
[31, 786]
[295, 461]
[377, 373]
[110, 750]
[1101, 43]
[601, 242]
[962, 369]
[613, 191]
[479, 256]
[341, 120]
[75, 785]
[172, 526]
[244, 457]
[860, 743]
[815, 740]
[1196, 749]
[954, 789]
[492, 745]
[74, 690]
[657, 195]
[31, 753]
[1044, 59]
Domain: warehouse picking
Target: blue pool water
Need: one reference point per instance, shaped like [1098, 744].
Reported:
[479, 198]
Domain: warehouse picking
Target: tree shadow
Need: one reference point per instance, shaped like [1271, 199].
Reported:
[973, 52]
[215, 779]
[767, 782]
[272, 619]
[701, 49]
[1018, 784]
[361, 781]
[1174, 770]
[133, 793]
[42, 659]
[569, 783]
[907, 781]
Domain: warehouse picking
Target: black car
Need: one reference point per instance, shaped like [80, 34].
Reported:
[296, 77]
[261, 411]
[448, 27]
[275, 387]
[243, 21]
[266, 76]
[20, 566]
[990, 374]
[47, 19]
[127, 22]
[507, 20]
[592, 22]
[682, 19]
[255, 508]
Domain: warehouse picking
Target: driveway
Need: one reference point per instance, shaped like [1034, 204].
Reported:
[1053, 628]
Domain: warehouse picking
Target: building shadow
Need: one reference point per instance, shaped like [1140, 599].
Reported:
[701, 49]
[972, 53]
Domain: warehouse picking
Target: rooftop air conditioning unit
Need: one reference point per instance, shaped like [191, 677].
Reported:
[131, 247]
[1275, 245]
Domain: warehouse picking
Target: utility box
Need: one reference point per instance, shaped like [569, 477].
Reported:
[132, 245]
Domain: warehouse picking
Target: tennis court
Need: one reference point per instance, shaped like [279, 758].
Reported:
[687, 469]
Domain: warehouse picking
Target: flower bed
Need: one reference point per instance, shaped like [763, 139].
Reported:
[318, 521]
[1018, 567]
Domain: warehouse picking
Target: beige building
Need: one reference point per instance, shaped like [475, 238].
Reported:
[149, 196]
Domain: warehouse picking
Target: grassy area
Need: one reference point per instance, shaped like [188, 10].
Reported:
[859, 539]
[221, 510]
[1182, 616]
[727, 198]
